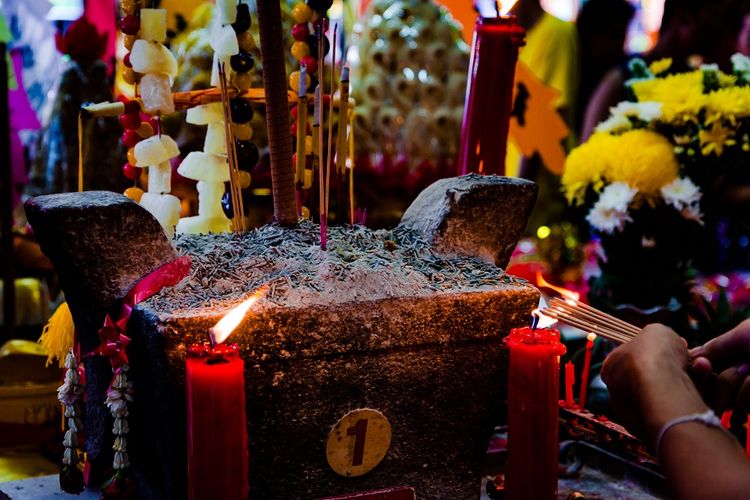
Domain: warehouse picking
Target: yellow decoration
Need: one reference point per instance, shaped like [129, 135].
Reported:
[308, 145]
[57, 336]
[294, 80]
[660, 66]
[145, 130]
[242, 131]
[543, 128]
[245, 179]
[246, 41]
[302, 13]
[300, 50]
[243, 81]
[134, 193]
[129, 7]
[129, 76]
[131, 156]
[129, 40]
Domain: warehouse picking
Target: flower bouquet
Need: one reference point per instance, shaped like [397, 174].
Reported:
[659, 175]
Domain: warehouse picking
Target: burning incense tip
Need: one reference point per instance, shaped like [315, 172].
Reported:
[226, 325]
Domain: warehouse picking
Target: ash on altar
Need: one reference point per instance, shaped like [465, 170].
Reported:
[376, 250]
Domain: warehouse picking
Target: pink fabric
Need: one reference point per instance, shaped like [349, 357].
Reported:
[22, 117]
[103, 15]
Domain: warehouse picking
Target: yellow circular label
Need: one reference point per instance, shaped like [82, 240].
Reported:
[358, 442]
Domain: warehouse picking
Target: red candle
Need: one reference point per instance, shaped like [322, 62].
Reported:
[533, 411]
[726, 419]
[489, 95]
[216, 423]
[570, 380]
[586, 370]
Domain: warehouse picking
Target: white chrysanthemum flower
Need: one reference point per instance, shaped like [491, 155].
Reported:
[617, 196]
[741, 65]
[610, 212]
[619, 119]
[681, 193]
[67, 456]
[607, 220]
[615, 123]
[709, 67]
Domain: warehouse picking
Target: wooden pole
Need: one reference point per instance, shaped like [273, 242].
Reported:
[6, 205]
[277, 111]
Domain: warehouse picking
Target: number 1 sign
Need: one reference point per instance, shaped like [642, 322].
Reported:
[358, 442]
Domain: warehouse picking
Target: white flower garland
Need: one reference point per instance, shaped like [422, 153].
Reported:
[119, 394]
[70, 395]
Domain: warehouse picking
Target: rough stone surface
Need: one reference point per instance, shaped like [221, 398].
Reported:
[473, 215]
[432, 365]
[100, 244]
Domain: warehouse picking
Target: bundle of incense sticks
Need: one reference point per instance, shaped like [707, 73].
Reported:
[590, 320]
[238, 222]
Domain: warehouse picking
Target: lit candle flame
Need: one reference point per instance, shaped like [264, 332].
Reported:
[231, 320]
[591, 337]
[542, 320]
[568, 294]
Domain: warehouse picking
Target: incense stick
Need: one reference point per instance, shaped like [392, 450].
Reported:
[596, 312]
[351, 168]
[600, 319]
[319, 120]
[234, 186]
[330, 122]
[590, 319]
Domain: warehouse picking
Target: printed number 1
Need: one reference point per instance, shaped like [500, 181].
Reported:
[358, 430]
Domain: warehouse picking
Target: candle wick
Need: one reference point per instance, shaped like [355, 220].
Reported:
[497, 7]
[534, 322]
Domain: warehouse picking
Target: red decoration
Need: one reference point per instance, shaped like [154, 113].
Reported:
[130, 121]
[300, 32]
[321, 21]
[216, 423]
[81, 41]
[570, 380]
[131, 107]
[533, 410]
[130, 138]
[489, 95]
[310, 63]
[586, 370]
[112, 334]
[131, 172]
[126, 60]
[130, 24]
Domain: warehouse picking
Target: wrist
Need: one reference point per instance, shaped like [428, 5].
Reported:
[676, 397]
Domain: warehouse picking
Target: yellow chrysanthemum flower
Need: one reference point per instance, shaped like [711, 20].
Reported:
[729, 102]
[680, 94]
[585, 166]
[644, 160]
[660, 66]
[640, 158]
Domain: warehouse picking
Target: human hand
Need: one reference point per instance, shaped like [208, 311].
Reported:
[720, 368]
[648, 381]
